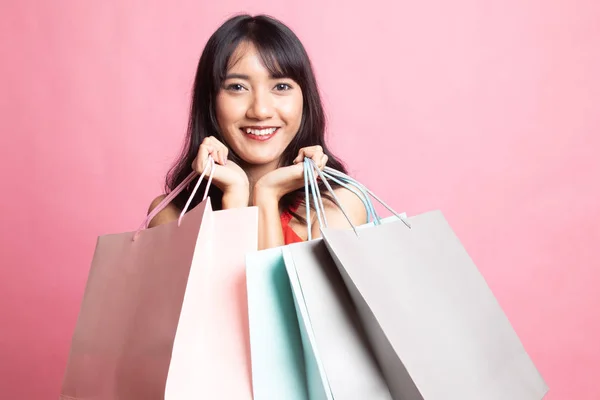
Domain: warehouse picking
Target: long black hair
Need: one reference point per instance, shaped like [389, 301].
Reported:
[282, 54]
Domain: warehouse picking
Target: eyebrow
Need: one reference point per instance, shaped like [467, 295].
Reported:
[247, 78]
[237, 76]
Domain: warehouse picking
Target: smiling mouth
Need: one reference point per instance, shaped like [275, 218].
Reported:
[260, 133]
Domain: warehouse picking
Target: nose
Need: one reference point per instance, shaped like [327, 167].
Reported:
[261, 107]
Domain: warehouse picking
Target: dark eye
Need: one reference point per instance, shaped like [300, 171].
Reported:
[235, 87]
[282, 86]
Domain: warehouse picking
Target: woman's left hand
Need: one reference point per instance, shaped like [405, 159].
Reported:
[284, 180]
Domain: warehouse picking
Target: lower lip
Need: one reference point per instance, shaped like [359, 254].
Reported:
[261, 138]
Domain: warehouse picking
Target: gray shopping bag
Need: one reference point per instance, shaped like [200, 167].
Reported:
[339, 342]
[436, 328]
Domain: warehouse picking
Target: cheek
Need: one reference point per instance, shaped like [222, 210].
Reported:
[291, 111]
[220, 110]
[228, 111]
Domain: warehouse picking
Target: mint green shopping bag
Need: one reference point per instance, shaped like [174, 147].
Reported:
[284, 365]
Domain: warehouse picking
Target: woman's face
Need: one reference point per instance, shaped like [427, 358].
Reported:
[258, 114]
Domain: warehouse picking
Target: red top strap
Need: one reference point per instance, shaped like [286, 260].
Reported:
[289, 236]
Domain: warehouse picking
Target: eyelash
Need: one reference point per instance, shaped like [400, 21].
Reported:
[235, 87]
[289, 87]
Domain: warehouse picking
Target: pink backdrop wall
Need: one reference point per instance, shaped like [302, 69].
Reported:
[487, 110]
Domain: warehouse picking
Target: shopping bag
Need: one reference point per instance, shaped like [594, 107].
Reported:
[436, 329]
[348, 363]
[349, 367]
[211, 350]
[305, 337]
[284, 365]
[148, 293]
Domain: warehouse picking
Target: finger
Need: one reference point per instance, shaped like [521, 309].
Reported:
[223, 151]
[300, 157]
[314, 152]
[323, 162]
[217, 156]
[317, 157]
[225, 154]
[201, 158]
[214, 141]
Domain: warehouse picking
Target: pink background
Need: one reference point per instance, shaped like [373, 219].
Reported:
[488, 110]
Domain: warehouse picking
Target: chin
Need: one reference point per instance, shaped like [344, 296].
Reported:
[260, 152]
[260, 159]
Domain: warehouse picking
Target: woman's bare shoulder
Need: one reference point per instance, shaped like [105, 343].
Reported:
[349, 201]
[352, 205]
[168, 214]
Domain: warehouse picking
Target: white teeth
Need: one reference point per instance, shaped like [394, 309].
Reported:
[260, 132]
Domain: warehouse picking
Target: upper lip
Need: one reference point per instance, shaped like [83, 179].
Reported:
[259, 127]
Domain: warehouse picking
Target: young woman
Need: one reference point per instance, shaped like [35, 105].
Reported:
[256, 110]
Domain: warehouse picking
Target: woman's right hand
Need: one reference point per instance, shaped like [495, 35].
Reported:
[228, 176]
